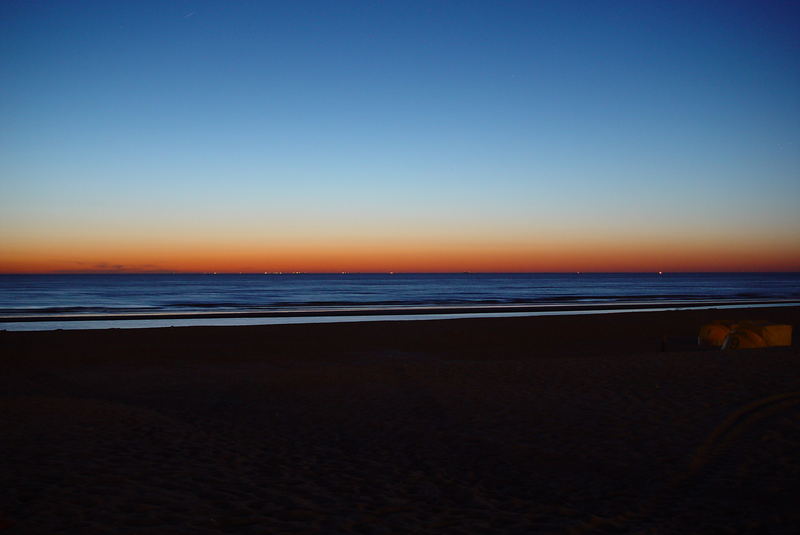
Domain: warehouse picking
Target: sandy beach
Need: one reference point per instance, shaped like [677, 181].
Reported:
[610, 423]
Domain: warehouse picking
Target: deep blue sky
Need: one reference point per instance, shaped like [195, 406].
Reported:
[475, 123]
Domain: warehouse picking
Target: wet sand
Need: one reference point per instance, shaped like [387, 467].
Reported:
[582, 424]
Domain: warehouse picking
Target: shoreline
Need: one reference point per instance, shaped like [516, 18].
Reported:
[341, 315]
[620, 332]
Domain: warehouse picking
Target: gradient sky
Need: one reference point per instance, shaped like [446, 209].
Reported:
[399, 136]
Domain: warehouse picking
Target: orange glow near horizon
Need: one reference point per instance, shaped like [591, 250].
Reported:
[590, 254]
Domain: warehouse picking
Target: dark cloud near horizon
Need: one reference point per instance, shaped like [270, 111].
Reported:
[107, 267]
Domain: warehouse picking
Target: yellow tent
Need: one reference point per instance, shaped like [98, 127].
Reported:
[744, 334]
[714, 333]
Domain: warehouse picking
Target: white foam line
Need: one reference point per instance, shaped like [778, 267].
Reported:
[219, 322]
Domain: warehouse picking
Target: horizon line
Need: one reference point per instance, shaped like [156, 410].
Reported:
[262, 273]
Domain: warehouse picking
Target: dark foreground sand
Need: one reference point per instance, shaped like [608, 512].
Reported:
[585, 424]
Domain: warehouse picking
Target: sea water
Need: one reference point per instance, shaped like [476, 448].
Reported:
[120, 296]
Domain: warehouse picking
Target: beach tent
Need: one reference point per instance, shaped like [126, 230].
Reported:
[714, 333]
[744, 334]
[777, 334]
[743, 338]
[748, 334]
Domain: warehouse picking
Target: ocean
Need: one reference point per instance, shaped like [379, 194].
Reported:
[134, 300]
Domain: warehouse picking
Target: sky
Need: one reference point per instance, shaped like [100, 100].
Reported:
[379, 136]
